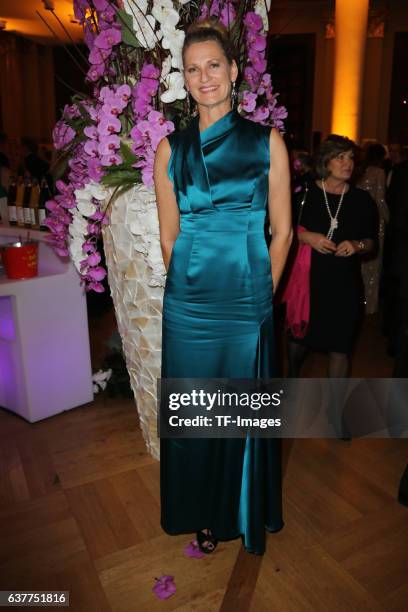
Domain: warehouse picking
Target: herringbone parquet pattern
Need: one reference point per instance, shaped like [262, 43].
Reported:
[79, 511]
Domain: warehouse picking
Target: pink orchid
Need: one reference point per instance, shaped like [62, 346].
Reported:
[257, 41]
[228, 14]
[150, 71]
[164, 587]
[52, 206]
[62, 135]
[95, 72]
[204, 12]
[137, 136]
[107, 15]
[63, 187]
[124, 93]
[109, 125]
[108, 144]
[253, 21]
[112, 159]
[112, 107]
[215, 8]
[248, 101]
[93, 259]
[98, 56]
[91, 132]
[100, 5]
[95, 286]
[106, 93]
[91, 148]
[80, 7]
[108, 38]
[259, 64]
[260, 114]
[95, 169]
[88, 247]
[193, 550]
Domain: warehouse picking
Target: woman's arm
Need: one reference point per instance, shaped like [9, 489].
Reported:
[279, 206]
[168, 211]
[317, 241]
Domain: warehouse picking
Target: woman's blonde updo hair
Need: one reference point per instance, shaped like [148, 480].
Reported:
[209, 29]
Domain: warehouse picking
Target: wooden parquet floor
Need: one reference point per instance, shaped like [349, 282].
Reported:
[79, 511]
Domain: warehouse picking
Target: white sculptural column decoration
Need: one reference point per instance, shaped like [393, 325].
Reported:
[136, 277]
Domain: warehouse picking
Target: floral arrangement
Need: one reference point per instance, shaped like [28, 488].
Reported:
[109, 139]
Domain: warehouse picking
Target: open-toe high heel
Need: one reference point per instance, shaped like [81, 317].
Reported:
[206, 541]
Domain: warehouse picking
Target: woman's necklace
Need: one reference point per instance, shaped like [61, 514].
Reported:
[333, 220]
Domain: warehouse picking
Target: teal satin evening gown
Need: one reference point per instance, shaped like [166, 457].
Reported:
[217, 323]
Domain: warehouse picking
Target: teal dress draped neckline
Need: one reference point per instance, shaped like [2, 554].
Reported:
[218, 323]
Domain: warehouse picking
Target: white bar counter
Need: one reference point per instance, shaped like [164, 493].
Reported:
[45, 363]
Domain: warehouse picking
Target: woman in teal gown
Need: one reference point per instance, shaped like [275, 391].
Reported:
[212, 185]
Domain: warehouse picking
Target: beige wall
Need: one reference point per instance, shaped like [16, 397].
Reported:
[310, 17]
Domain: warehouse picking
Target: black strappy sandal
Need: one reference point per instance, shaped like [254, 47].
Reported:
[207, 543]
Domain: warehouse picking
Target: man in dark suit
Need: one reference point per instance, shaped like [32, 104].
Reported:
[396, 253]
[398, 194]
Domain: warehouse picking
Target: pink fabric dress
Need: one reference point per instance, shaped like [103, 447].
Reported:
[296, 294]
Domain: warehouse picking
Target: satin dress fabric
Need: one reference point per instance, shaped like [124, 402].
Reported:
[217, 323]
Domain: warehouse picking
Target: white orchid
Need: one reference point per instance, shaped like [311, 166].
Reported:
[76, 252]
[91, 190]
[145, 31]
[164, 12]
[166, 67]
[175, 88]
[143, 25]
[84, 198]
[96, 190]
[79, 224]
[132, 6]
[171, 36]
[86, 207]
[173, 40]
[262, 8]
[100, 380]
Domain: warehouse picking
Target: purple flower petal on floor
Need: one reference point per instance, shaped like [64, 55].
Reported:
[193, 550]
[164, 587]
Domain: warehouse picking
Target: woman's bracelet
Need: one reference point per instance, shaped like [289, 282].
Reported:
[361, 246]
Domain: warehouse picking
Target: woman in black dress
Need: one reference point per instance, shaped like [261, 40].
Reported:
[341, 224]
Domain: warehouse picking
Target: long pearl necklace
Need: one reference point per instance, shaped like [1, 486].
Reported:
[333, 220]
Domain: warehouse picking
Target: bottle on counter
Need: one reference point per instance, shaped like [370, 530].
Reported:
[11, 201]
[19, 202]
[34, 201]
[26, 201]
[44, 197]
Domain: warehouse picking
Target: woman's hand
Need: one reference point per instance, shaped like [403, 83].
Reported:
[346, 248]
[318, 242]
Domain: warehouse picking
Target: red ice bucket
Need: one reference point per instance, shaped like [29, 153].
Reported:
[20, 259]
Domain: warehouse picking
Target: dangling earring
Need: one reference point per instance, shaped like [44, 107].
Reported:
[233, 94]
[191, 111]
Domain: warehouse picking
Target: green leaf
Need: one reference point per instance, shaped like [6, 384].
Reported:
[127, 154]
[121, 177]
[128, 35]
[60, 168]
